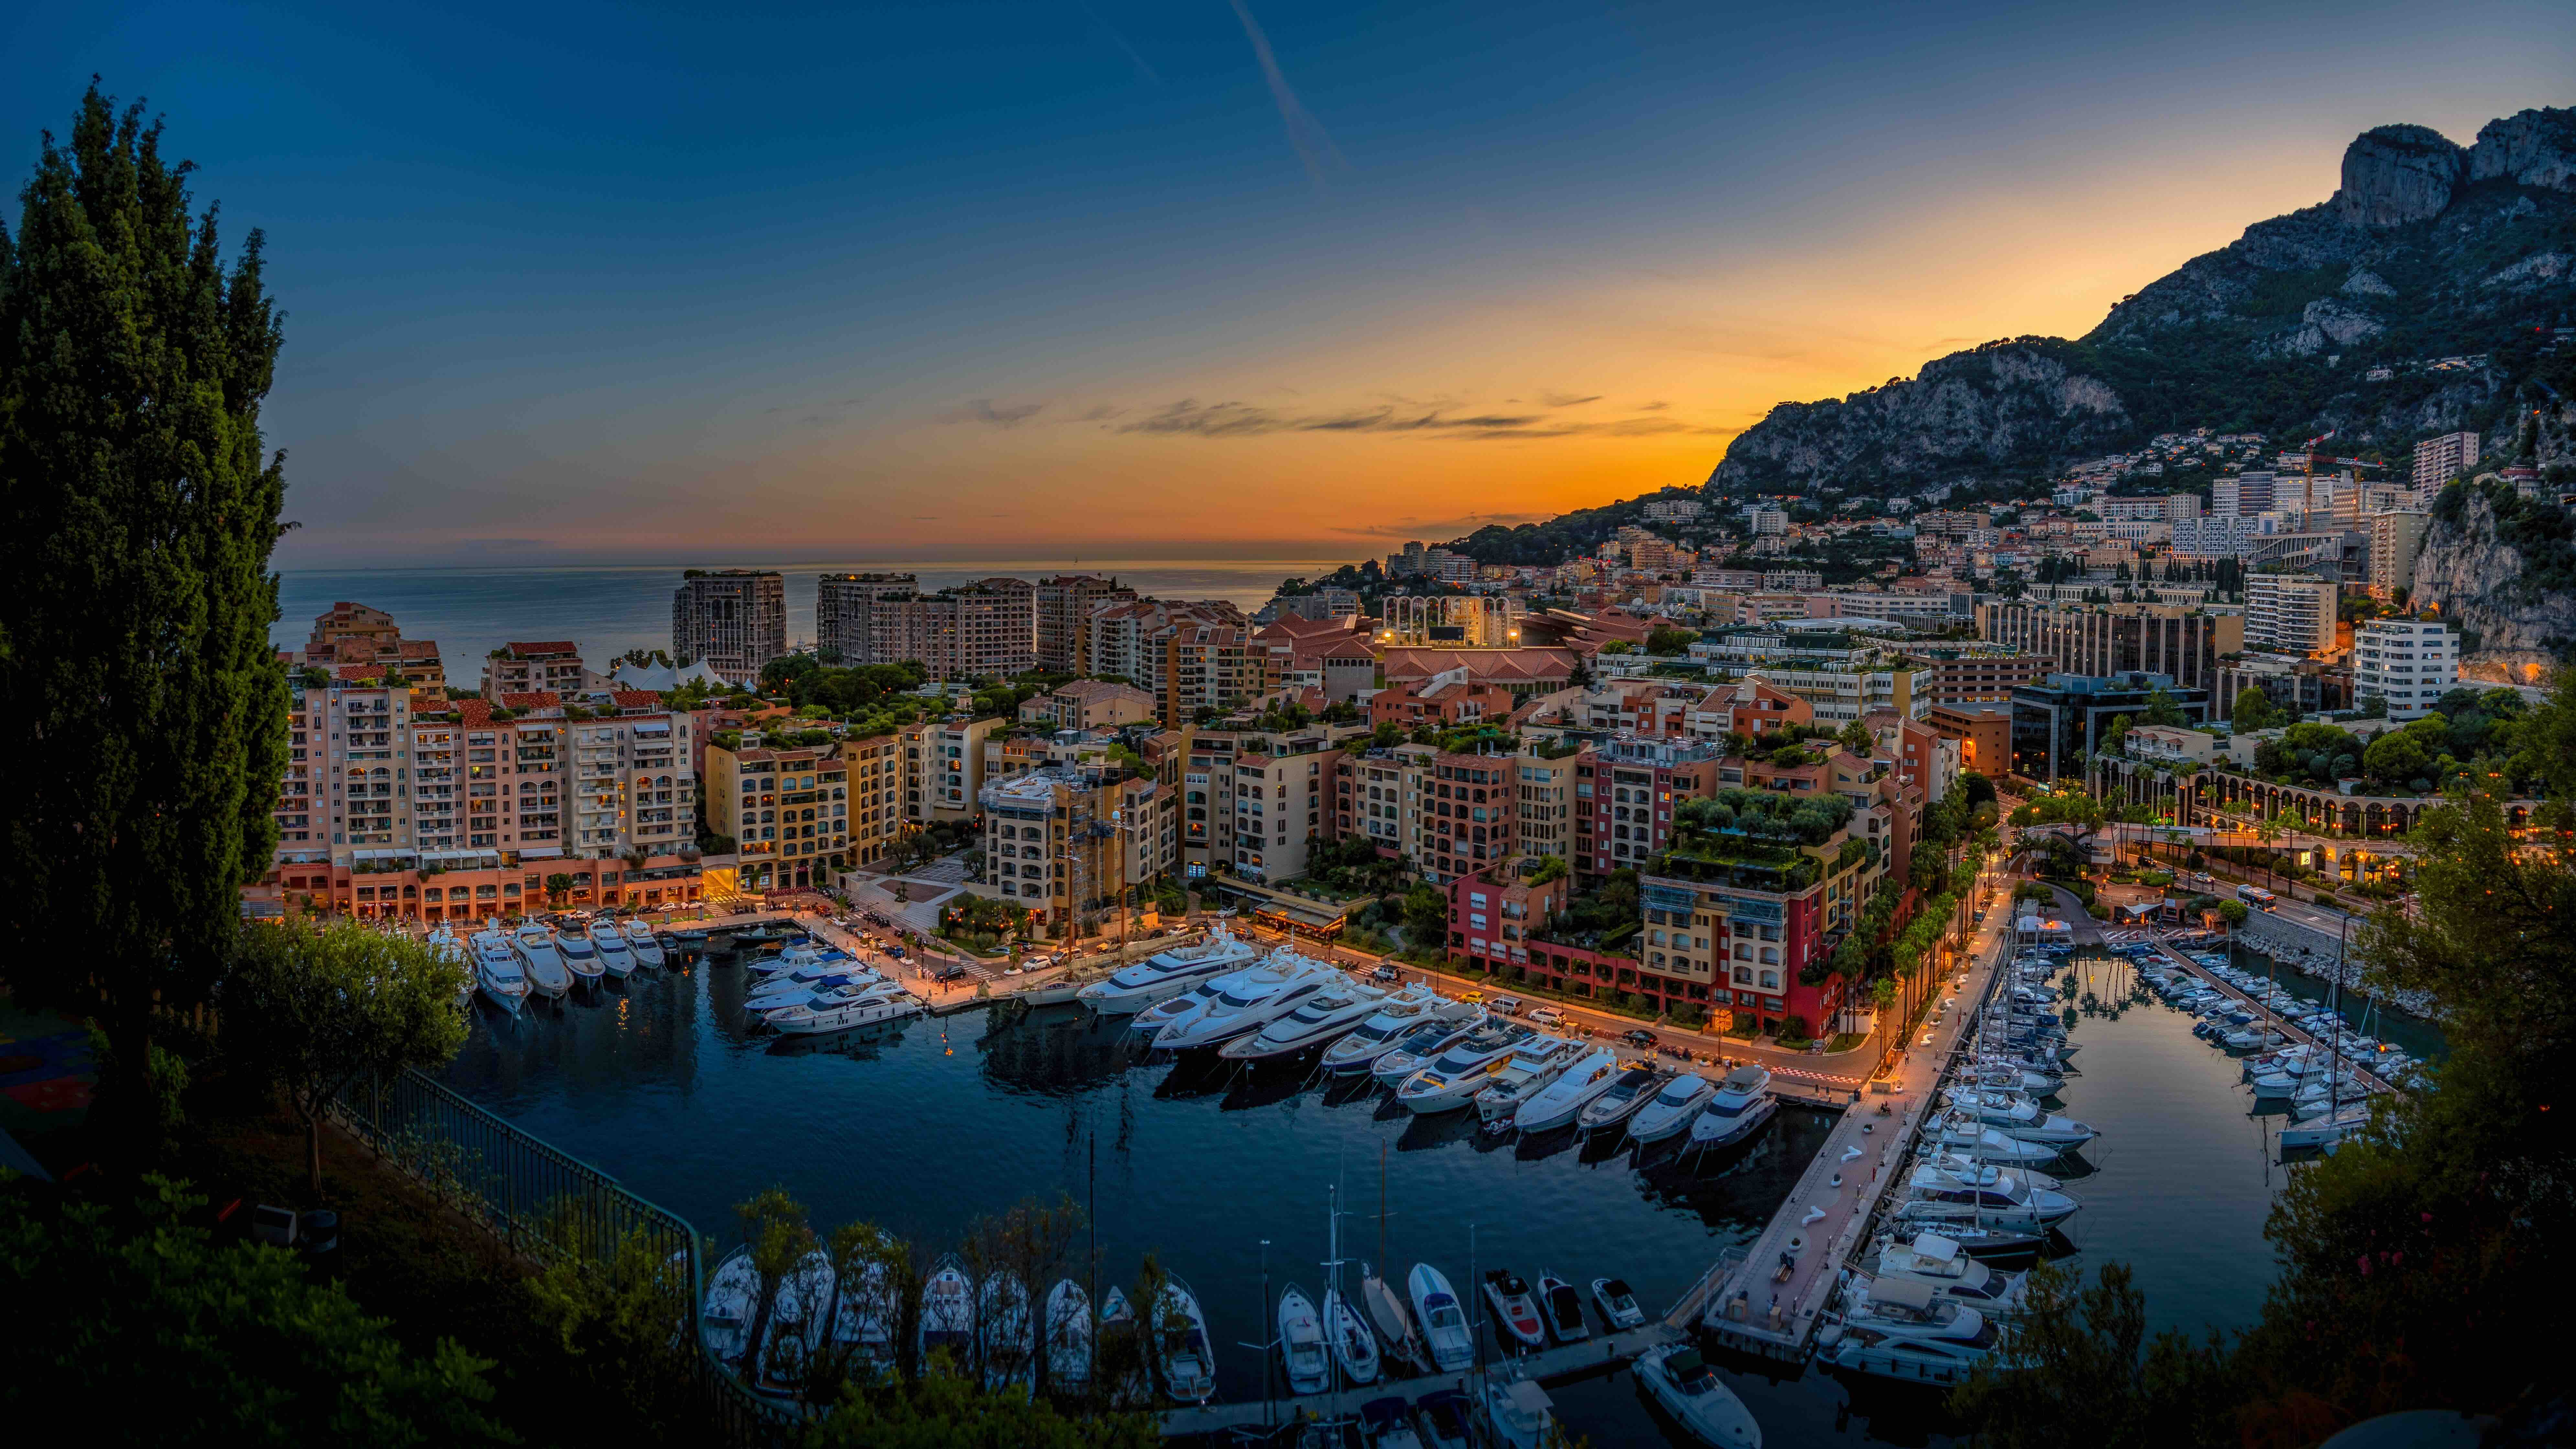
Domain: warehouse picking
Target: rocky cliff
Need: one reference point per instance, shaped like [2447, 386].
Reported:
[2474, 573]
[2426, 250]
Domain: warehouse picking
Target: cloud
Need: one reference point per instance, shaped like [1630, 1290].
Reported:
[1097, 413]
[1191, 418]
[1143, 71]
[1305, 134]
[1567, 399]
[982, 410]
[1652, 407]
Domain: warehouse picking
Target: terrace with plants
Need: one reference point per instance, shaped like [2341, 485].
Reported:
[1752, 839]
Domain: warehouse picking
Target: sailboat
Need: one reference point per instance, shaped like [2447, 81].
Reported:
[1383, 1301]
[1353, 1347]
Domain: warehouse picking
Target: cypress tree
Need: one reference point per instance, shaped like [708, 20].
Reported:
[144, 710]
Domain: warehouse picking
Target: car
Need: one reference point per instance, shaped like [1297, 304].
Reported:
[1507, 1005]
[1386, 973]
[947, 974]
[1473, 998]
[1546, 1016]
[1637, 1036]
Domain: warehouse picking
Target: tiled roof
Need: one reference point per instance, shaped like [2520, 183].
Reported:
[547, 646]
[635, 698]
[534, 699]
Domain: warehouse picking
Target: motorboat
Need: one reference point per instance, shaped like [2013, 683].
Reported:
[2000, 1078]
[580, 957]
[1398, 1337]
[1528, 1071]
[1988, 1243]
[1010, 1357]
[1385, 1424]
[1969, 1169]
[1166, 974]
[947, 1311]
[1442, 1414]
[1320, 1019]
[1682, 1384]
[1446, 1333]
[615, 955]
[444, 947]
[1940, 1261]
[797, 1326]
[1359, 1049]
[1117, 1319]
[1308, 1362]
[1275, 988]
[1627, 1096]
[724, 1315]
[1188, 1357]
[1905, 1332]
[1670, 1113]
[1617, 1302]
[1418, 1046]
[1069, 1334]
[1515, 1309]
[641, 940]
[864, 1321]
[2016, 1116]
[1354, 1346]
[1562, 1100]
[795, 956]
[1458, 1074]
[1937, 1195]
[867, 1006]
[2326, 1128]
[1974, 1139]
[1563, 1309]
[540, 961]
[1741, 1104]
[772, 995]
[1521, 1415]
[1149, 1023]
[498, 972]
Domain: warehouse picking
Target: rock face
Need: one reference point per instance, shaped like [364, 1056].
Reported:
[2427, 250]
[2476, 580]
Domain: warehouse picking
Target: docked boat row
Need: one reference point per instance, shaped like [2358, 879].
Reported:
[2324, 1081]
[533, 959]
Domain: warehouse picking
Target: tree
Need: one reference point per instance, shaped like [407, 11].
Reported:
[1426, 918]
[2396, 755]
[2161, 709]
[1856, 738]
[558, 886]
[223, 1345]
[1666, 640]
[315, 1008]
[145, 708]
[2254, 710]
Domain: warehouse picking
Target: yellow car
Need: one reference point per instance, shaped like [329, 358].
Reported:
[1473, 997]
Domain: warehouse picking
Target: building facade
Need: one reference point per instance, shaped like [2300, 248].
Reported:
[845, 613]
[2102, 640]
[1064, 605]
[732, 620]
[2410, 663]
[787, 810]
[2290, 614]
[2060, 720]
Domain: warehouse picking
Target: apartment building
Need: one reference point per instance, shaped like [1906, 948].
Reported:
[2290, 614]
[1624, 793]
[845, 613]
[1131, 641]
[1089, 704]
[1735, 922]
[1064, 840]
[2440, 459]
[1064, 605]
[2098, 640]
[1962, 675]
[631, 785]
[1206, 666]
[1446, 699]
[974, 631]
[875, 775]
[2058, 721]
[2410, 663]
[1747, 707]
[787, 810]
[1543, 786]
[540, 667]
[732, 620]
[354, 642]
[943, 769]
[1982, 730]
[2396, 541]
[1253, 801]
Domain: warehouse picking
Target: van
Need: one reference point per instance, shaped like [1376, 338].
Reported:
[1507, 1006]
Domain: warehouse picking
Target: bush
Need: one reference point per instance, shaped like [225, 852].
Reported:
[1796, 1025]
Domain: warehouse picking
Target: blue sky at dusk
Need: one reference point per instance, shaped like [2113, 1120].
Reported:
[1036, 280]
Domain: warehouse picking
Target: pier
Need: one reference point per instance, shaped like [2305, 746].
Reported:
[2291, 1034]
[1549, 1365]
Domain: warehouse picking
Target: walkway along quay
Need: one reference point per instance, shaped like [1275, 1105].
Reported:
[1767, 1299]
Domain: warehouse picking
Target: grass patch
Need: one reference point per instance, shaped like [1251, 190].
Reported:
[1845, 1041]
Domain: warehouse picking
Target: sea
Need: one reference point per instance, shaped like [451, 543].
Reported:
[610, 609]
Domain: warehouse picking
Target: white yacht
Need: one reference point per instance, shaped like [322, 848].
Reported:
[1939, 1261]
[1069, 1335]
[1937, 1195]
[790, 957]
[544, 965]
[2326, 1129]
[1458, 1074]
[948, 1311]
[1968, 1169]
[1445, 1329]
[1301, 1343]
[1275, 988]
[2016, 1116]
[615, 956]
[1318, 1020]
[1167, 974]
[1150, 1022]
[1684, 1386]
[1671, 1112]
[1360, 1048]
[833, 1011]
[1903, 1331]
[1974, 1139]
[1570, 1092]
[498, 973]
[1635, 1088]
[1523, 1075]
[641, 940]
[1010, 1339]
[1347, 1330]
[580, 957]
[1418, 1046]
[771, 995]
[1189, 1358]
[444, 946]
[1743, 1102]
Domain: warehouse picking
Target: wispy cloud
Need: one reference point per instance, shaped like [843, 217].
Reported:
[1144, 72]
[982, 410]
[1305, 134]
[1191, 418]
[1439, 527]
[1567, 399]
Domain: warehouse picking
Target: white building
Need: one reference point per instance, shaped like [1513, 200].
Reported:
[2440, 459]
[2408, 662]
[2289, 614]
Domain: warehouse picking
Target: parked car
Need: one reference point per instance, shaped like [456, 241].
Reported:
[1472, 998]
[1637, 1036]
[1386, 973]
[1507, 1006]
[947, 974]
[1546, 1016]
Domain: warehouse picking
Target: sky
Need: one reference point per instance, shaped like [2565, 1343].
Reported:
[1219, 279]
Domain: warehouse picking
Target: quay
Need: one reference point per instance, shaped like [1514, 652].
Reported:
[2290, 1033]
[1550, 1365]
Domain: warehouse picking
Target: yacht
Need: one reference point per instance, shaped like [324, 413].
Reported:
[641, 940]
[1360, 1048]
[724, 1315]
[1009, 1337]
[1524, 1074]
[2001, 1077]
[498, 972]
[1519, 1415]
[2016, 1116]
[1515, 1308]
[443, 946]
[1168, 973]
[797, 1326]
[1068, 1336]
[1417, 1046]
[1937, 1195]
[1742, 1103]
[1570, 1093]
[2326, 1128]
[1316, 1022]
[1617, 1304]
[540, 961]
[863, 1324]
[1189, 1359]
[1459, 1073]
[615, 955]
[833, 1011]
[790, 957]
[1671, 1112]
[1301, 1343]
[1635, 1088]
[1969, 1169]
[948, 1311]
[1354, 1347]
[1563, 1308]
[771, 995]
[1186, 1006]
[1683, 1385]
[1903, 1331]
[1450, 1337]
[1971, 1138]
[580, 957]
[1275, 988]
[1940, 1261]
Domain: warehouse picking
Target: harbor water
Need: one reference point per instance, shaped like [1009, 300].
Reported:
[922, 1128]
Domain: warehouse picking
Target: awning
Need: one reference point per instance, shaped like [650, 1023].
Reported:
[540, 852]
[385, 854]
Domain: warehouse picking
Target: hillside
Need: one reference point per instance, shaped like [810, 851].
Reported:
[2428, 250]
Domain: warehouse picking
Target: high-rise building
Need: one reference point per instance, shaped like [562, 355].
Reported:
[1064, 605]
[2440, 459]
[2396, 539]
[973, 631]
[733, 620]
[2242, 495]
[2410, 663]
[2098, 640]
[845, 613]
[352, 642]
[551, 666]
[2290, 614]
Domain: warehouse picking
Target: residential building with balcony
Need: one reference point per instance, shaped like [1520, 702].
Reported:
[2101, 640]
[787, 811]
[845, 624]
[1624, 794]
[1741, 918]
[1064, 840]
[732, 620]
[1252, 802]
[943, 769]
[1064, 605]
[1963, 674]
[2291, 614]
[2396, 541]
[2409, 663]
[540, 667]
[1089, 704]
